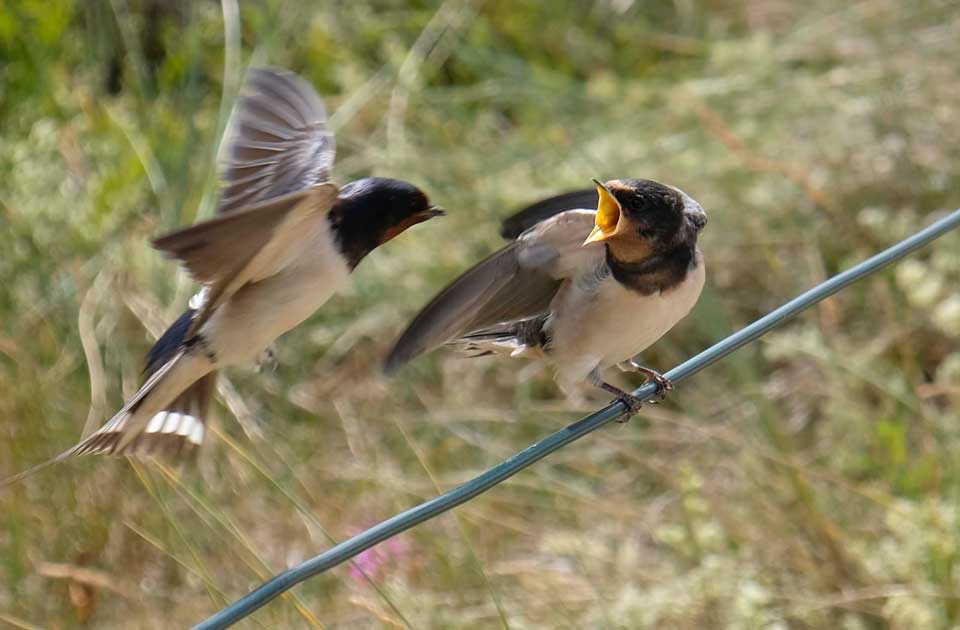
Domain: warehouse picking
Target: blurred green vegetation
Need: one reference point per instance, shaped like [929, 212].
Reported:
[809, 481]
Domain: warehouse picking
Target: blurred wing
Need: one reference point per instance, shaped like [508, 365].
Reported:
[247, 245]
[521, 221]
[214, 249]
[518, 282]
[279, 155]
[279, 140]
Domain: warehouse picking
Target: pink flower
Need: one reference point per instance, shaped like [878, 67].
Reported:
[377, 561]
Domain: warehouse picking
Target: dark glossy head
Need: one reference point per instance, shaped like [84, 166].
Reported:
[653, 215]
[374, 210]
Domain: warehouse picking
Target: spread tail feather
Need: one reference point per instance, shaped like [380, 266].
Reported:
[178, 426]
[166, 415]
[518, 339]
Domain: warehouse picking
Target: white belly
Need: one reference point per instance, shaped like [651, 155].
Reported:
[601, 326]
[260, 312]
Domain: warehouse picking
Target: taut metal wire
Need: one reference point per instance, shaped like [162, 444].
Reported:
[461, 494]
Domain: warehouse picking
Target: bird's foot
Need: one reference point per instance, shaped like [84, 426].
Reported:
[663, 383]
[267, 360]
[632, 403]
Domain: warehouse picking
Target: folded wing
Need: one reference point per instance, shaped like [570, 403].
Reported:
[517, 283]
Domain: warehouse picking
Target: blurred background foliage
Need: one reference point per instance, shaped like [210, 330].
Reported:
[809, 481]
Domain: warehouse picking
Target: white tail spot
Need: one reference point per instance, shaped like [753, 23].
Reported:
[156, 422]
[196, 435]
[186, 425]
[173, 419]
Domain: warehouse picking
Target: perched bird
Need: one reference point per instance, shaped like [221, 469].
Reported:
[283, 241]
[585, 289]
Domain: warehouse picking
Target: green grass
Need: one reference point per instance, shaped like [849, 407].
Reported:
[808, 481]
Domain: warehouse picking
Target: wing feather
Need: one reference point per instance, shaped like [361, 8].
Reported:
[522, 220]
[279, 156]
[516, 283]
[280, 142]
[233, 249]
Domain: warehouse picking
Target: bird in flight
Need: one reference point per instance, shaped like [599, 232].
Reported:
[284, 239]
[585, 289]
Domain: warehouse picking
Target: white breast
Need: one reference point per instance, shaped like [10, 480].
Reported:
[597, 326]
[260, 312]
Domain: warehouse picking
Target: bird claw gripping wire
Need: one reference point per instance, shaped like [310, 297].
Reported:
[663, 383]
[633, 406]
[633, 403]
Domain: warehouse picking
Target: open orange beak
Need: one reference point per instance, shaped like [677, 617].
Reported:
[608, 215]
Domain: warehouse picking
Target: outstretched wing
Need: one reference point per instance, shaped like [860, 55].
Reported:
[279, 140]
[516, 283]
[248, 245]
[279, 156]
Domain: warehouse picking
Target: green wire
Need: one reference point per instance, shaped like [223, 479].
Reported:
[461, 494]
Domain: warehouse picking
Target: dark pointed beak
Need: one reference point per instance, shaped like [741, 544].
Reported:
[426, 215]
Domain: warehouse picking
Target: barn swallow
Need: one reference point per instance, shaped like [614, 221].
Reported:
[585, 289]
[283, 241]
